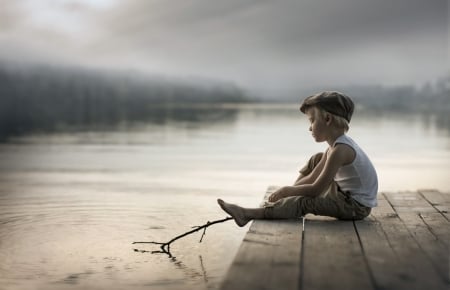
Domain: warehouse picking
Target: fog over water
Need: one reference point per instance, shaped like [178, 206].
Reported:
[275, 48]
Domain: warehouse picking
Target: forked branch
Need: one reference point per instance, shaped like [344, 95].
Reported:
[165, 247]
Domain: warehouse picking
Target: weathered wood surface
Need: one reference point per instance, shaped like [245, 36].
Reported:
[403, 244]
[268, 257]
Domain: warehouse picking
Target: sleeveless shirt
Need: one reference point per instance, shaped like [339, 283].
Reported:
[358, 178]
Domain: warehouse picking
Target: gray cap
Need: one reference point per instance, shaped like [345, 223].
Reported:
[333, 102]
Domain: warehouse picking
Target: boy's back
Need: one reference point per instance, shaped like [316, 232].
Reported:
[358, 178]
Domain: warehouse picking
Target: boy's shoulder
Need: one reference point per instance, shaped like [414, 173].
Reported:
[343, 152]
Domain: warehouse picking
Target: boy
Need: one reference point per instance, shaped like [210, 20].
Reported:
[341, 182]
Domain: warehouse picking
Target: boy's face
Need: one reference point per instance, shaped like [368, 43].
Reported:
[318, 125]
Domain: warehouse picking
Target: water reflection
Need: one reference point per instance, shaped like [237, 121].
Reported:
[189, 272]
[197, 116]
[194, 115]
[75, 278]
[439, 121]
[442, 121]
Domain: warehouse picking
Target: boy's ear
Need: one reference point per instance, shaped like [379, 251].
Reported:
[328, 119]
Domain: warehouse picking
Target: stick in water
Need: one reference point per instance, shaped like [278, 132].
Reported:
[165, 247]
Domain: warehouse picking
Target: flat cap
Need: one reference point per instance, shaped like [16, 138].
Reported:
[333, 102]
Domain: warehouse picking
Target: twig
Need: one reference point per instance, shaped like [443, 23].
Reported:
[165, 247]
[204, 232]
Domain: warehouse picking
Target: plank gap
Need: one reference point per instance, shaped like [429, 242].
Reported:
[436, 206]
[366, 261]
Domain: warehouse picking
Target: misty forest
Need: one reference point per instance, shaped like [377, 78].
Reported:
[46, 99]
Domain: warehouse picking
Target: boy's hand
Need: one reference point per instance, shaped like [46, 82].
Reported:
[279, 194]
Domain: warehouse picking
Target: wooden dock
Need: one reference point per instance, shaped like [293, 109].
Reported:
[403, 244]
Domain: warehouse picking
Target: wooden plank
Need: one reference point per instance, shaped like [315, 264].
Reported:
[436, 197]
[404, 244]
[429, 229]
[409, 201]
[437, 224]
[432, 244]
[439, 200]
[431, 217]
[332, 256]
[415, 269]
[387, 271]
[269, 256]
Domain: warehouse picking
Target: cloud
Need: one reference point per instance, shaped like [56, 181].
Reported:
[260, 44]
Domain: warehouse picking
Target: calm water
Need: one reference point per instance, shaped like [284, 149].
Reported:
[72, 204]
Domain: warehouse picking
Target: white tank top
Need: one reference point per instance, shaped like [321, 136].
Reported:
[359, 178]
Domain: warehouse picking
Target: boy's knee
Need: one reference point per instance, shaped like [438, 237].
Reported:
[315, 159]
[312, 163]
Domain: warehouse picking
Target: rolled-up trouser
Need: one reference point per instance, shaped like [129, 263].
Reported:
[333, 202]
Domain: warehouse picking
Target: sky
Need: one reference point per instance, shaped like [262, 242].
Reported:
[272, 47]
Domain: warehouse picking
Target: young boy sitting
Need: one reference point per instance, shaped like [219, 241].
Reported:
[340, 183]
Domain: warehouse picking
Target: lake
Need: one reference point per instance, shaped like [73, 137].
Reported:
[72, 202]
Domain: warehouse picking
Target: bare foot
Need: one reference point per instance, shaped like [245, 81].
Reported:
[236, 212]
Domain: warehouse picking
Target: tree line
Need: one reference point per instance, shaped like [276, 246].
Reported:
[430, 97]
[45, 99]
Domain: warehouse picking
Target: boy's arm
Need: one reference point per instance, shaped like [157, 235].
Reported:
[339, 156]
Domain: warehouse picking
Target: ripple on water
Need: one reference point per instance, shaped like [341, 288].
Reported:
[83, 240]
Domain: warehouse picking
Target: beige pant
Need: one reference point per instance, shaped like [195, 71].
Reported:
[333, 202]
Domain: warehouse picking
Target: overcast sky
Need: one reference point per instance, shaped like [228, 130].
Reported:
[272, 46]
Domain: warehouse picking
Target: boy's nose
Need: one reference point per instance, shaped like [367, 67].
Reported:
[310, 128]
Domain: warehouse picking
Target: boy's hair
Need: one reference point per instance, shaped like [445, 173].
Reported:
[338, 121]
